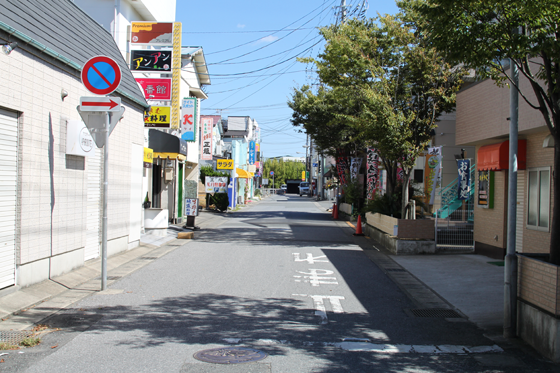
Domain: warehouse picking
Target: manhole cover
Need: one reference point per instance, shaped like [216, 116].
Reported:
[443, 313]
[230, 355]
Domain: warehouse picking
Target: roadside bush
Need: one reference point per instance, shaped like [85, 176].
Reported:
[220, 200]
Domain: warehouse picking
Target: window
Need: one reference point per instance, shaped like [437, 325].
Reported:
[419, 176]
[538, 201]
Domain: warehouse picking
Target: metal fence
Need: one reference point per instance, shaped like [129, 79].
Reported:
[454, 234]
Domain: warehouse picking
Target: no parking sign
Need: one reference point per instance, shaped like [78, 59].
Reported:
[101, 75]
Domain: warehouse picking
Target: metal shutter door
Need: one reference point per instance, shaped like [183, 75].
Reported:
[8, 197]
[93, 219]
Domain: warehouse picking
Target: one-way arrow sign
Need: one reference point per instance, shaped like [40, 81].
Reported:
[100, 104]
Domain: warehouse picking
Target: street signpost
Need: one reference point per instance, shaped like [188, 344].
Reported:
[101, 76]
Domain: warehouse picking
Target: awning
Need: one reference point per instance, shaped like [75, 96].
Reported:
[242, 174]
[495, 157]
[165, 145]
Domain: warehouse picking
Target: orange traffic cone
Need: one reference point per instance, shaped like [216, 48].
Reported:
[359, 227]
[335, 212]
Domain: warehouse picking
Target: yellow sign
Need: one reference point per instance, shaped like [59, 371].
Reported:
[148, 155]
[303, 175]
[159, 116]
[224, 164]
[176, 77]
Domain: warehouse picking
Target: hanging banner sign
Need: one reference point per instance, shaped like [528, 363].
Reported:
[342, 167]
[155, 89]
[372, 172]
[152, 33]
[252, 147]
[216, 184]
[206, 140]
[188, 119]
[191, 206]
[151, 60]
[464, 178]
[432, 172]
[158, 116]
[355, 165]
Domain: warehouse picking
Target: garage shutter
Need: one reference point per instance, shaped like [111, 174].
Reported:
[8, 197]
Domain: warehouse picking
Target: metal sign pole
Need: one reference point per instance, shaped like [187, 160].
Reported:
[105, 195]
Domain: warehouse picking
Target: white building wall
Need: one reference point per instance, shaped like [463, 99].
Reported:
[53, 186]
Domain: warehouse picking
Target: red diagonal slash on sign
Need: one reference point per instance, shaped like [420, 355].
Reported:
[111, 104]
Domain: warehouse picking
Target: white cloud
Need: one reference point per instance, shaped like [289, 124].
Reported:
[268, 39]
[239, 25]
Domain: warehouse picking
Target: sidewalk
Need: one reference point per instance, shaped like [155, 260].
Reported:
[21, 309]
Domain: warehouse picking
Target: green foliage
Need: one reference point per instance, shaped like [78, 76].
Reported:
[258, 192]
[220, 200]
[30, 341]
[282, 171]
[386, 204]
[482, 35]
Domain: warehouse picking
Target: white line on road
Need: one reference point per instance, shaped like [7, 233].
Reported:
[379, 348]
[310, 258]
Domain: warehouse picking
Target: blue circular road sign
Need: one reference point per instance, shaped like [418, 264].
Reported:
[101, 75]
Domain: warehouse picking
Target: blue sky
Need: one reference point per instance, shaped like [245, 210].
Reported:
[250, 48]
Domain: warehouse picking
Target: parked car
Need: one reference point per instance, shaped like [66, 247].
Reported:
[303, 188]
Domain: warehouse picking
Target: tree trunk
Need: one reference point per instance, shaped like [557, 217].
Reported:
[555, 225]
[405, 182]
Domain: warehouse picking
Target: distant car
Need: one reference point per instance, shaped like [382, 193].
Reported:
[303, 188]
[284, 187]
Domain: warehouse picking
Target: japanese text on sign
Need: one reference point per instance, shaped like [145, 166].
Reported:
[216, 184]
[158, 116]
[224, 164]
[191, 206]
[188, 119]
[151, 60]
[206, 141]
[464, 179]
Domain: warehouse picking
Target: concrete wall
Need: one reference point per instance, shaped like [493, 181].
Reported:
[422, 229]
[51, 226]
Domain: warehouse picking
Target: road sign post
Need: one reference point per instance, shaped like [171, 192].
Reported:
[102, 75]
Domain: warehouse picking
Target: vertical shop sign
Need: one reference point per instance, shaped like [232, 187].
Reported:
[188, 119]
[342, 167]
[355, 165]
[206, 140]
[432, 172]
[372, 172]
[252, 149]
[464, 178]
[485, 189]
[176, 77]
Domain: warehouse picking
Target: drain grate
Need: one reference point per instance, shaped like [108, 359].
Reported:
[15, 337]
[395, 269]
[149, 257]
[114, 277]
[230, 355]
[442, 313]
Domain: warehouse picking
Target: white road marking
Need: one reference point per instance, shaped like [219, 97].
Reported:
[321, 309]
[314, 277]
[348, 344]
[310, 258]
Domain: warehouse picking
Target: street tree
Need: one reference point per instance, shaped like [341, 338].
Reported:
[484, 34]
[397, 86]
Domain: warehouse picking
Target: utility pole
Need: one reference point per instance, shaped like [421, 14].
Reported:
[343, 11]
[510, 269]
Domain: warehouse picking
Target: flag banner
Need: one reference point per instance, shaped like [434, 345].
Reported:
[464, 178]
[372, 172]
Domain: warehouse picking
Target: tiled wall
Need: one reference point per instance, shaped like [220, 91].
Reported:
[539, 284]
[52, 199]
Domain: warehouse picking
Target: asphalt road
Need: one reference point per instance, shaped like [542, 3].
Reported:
[280, 277]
